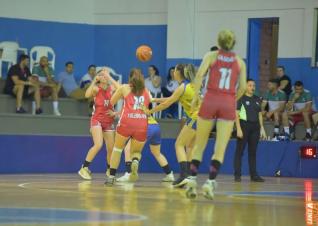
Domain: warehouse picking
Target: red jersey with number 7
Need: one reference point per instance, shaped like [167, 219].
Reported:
[224, 73]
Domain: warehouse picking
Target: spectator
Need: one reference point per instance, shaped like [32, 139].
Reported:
[284, 80]
[299, 108]
[275, 100]
[88, 77]
[21, 84]
[153, 82]
[45, 75]
[171, 86]
[67, 80]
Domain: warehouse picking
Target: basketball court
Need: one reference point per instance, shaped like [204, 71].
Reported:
[65, 199]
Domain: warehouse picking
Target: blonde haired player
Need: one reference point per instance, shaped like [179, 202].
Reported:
[184, 75]
[102, 120]
[226, 70]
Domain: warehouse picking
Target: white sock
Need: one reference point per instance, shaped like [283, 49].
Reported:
[286, 129]
[33, 107]
[276, 130]
[308, 131]
[55, 105]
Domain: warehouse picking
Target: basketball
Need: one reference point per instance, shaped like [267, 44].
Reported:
[144, 53]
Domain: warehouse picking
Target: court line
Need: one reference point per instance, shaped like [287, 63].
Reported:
[139, 217]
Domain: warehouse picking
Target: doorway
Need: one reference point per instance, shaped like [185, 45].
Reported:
[262, 50]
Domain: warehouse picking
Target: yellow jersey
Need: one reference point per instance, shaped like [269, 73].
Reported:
[186, 99]
[151, 120]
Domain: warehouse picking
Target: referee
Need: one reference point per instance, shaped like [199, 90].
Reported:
[249, 125]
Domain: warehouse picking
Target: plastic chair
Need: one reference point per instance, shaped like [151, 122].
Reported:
[9, 53]
[38, 51]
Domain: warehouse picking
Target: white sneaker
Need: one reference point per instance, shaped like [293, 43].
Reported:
[107, 172]
[134, 171]
[56, 112]
[85, 173]
[208, 189]
[124, 178]
[169, 177]
[191, 187]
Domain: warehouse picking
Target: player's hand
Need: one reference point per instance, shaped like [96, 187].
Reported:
[111, 113]
[145, 109]
[239, 133]
[263, 133]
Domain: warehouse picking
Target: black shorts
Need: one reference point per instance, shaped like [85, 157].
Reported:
[26, 93]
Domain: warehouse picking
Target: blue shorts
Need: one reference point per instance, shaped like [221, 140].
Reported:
[191, 123]
[154, 134]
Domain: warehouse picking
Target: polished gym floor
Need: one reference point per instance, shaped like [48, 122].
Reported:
[65, 199]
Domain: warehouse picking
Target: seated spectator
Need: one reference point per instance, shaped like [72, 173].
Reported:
[299, 108]
[275, 100]
[153, 82]
[284, 80]
[88, 77]
[67, 80]
[171, 86]
[45, 75]
[21, 84]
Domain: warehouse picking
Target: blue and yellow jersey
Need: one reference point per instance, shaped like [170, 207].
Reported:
[151, 120]
[186, 99]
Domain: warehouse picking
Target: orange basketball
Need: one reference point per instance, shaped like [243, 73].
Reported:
[144, 53]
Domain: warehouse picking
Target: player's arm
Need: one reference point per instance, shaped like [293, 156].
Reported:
[170, 100]
[112, 81]
[92, 89]
[159, 100]
[242, 79]
[117, 95]
[202, 71]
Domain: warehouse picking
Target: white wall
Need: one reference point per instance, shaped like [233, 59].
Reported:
[205, 17]
[295, 25]
[130, 12]
[73, 11]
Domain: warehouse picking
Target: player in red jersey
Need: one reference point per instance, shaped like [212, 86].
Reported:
[227, 70]
[102, 120]
[133, 123]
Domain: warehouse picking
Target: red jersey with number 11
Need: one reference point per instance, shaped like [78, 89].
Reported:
[224, 73]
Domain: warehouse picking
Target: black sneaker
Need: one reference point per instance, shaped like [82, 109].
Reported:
[20, 110]
[38, 111]
[237, 178]
[180, 182]
[257, 179]
[277, 173]
[308, 137]
[110, 180]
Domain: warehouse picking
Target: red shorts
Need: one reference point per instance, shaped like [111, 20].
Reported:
[139, 135]
[218, 106]
[299, 117]
[106, 126]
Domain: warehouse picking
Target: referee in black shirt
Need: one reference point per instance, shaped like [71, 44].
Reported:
[249, 125]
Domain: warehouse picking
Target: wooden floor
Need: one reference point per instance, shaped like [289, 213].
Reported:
[65, 199]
